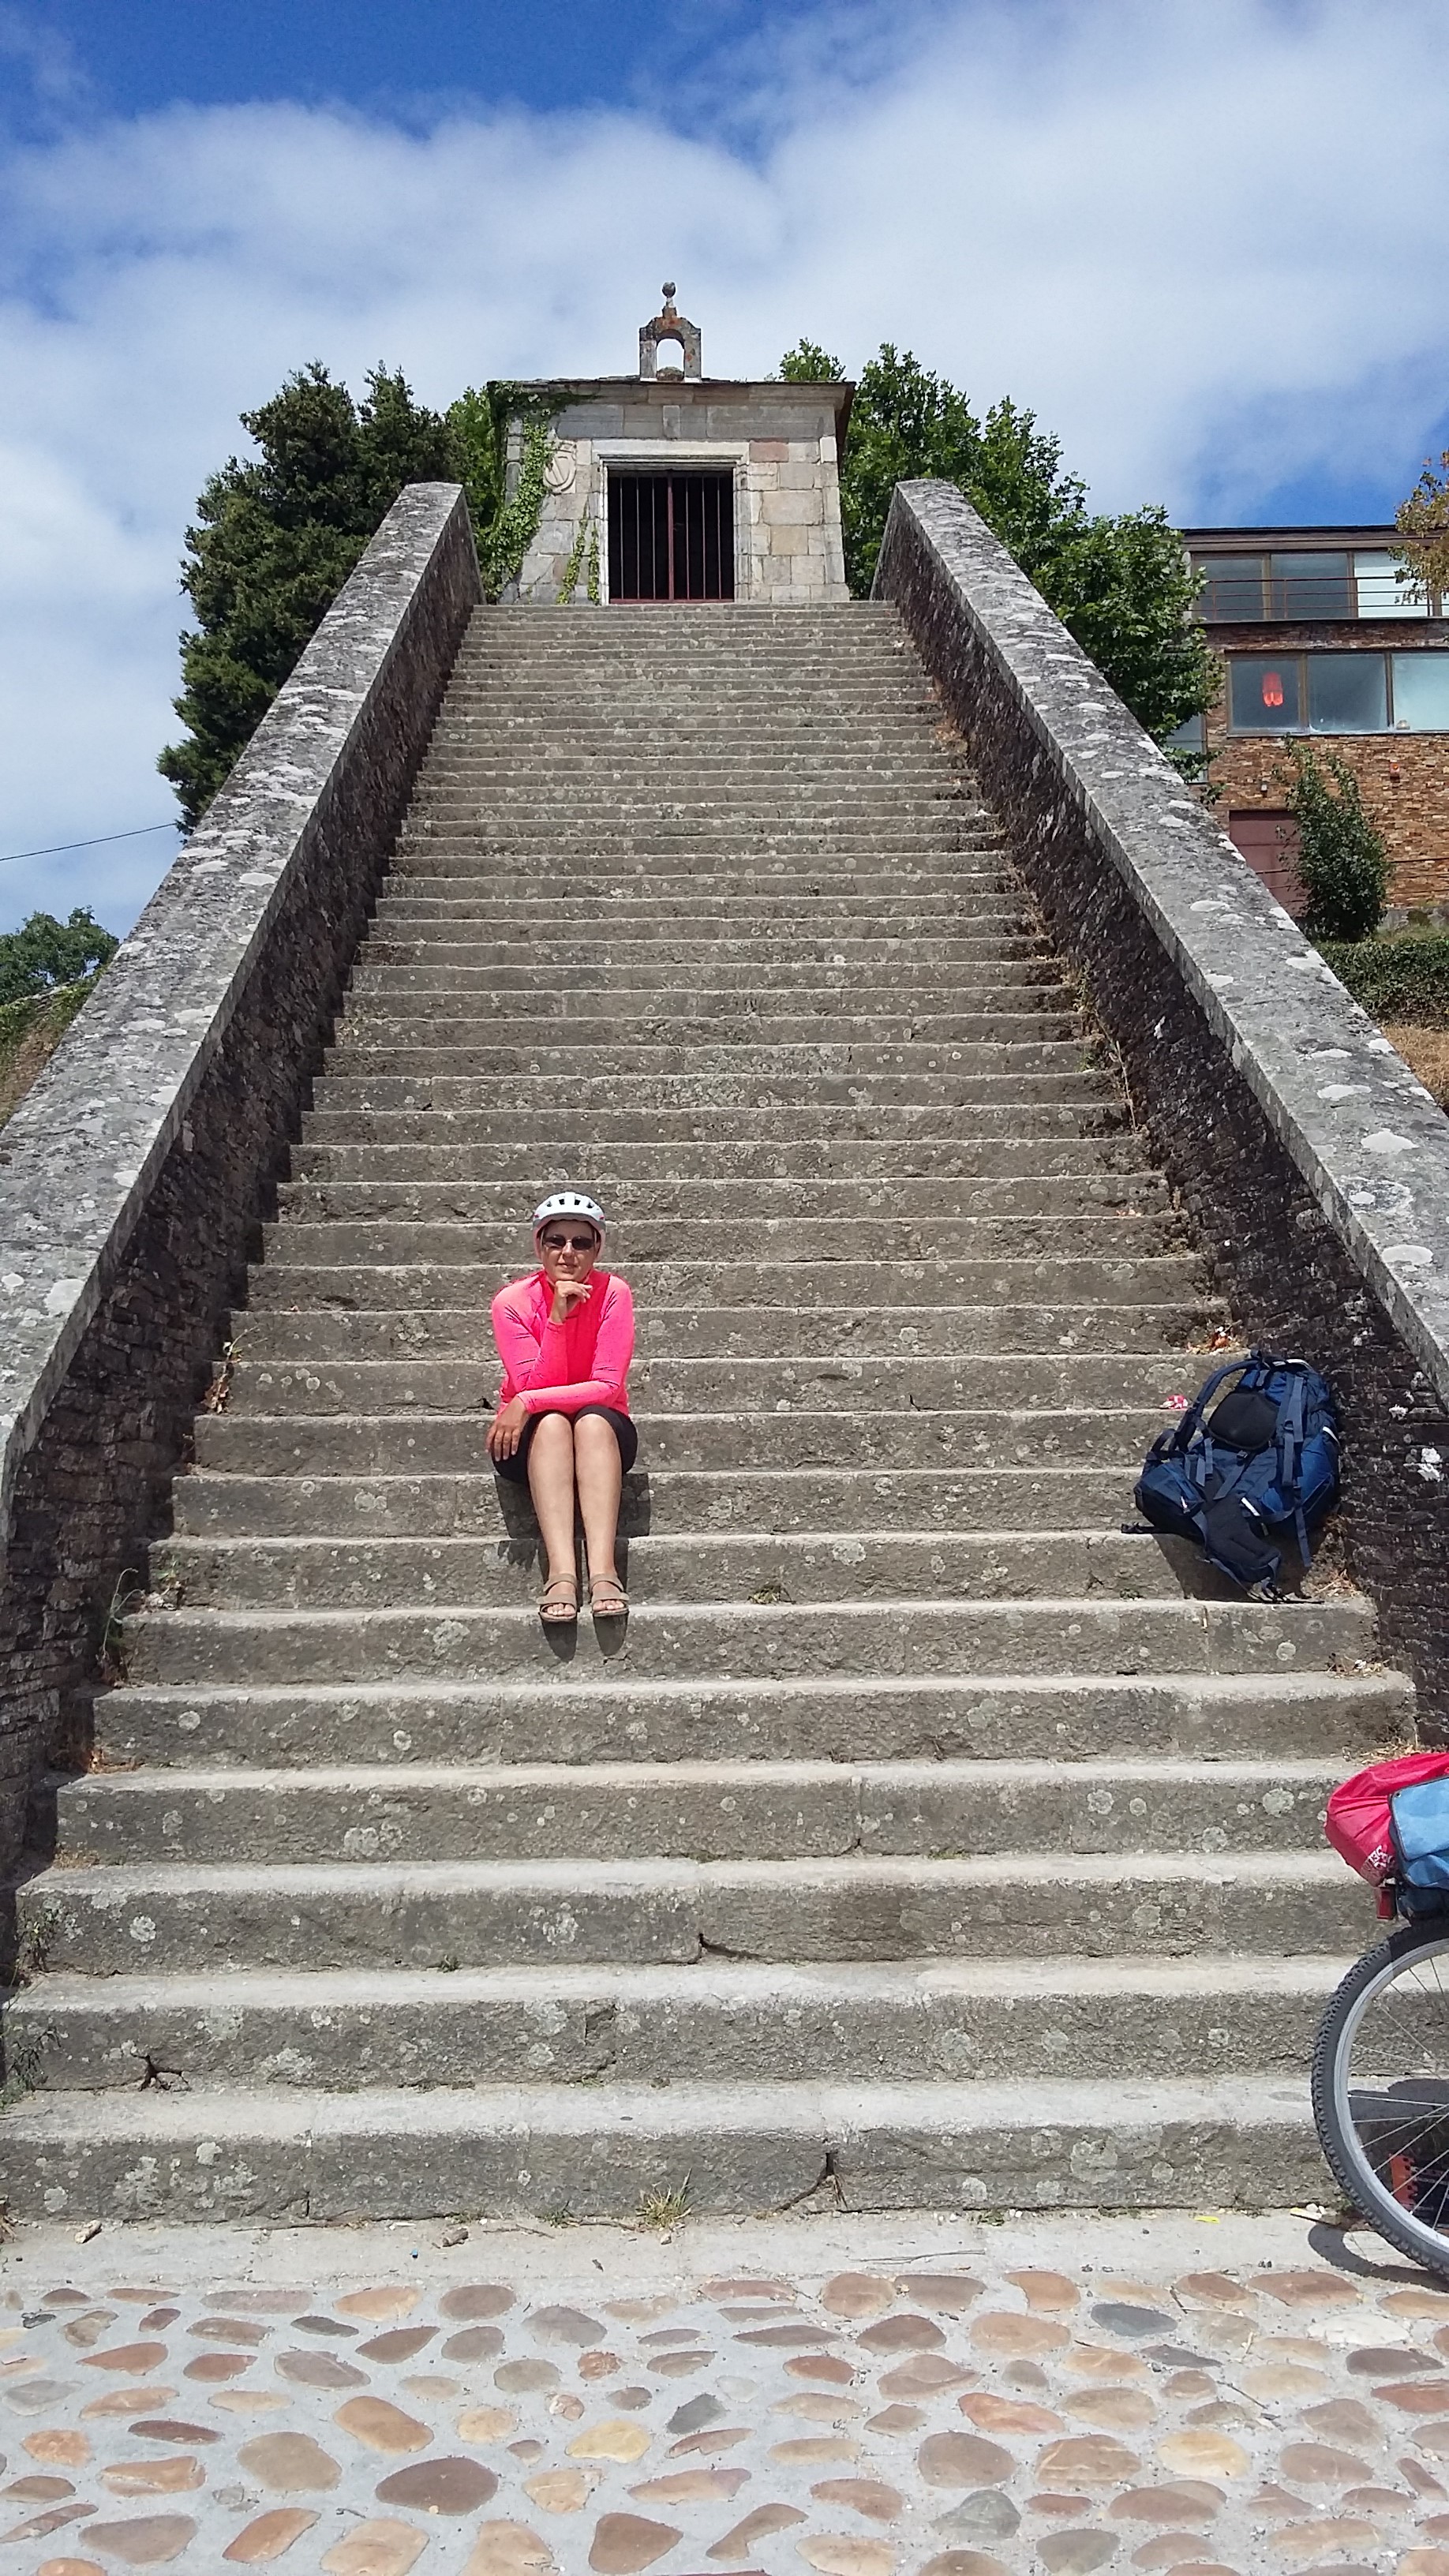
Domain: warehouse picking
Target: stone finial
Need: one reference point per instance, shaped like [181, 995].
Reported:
[669, 325]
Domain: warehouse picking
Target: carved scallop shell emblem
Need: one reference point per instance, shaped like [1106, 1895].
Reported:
[560, 470]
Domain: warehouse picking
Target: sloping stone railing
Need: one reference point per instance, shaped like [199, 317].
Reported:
[134, 1175]
[1311, 1167]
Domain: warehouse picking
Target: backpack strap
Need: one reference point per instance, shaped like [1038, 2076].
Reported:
[1191, 1422]
[1290, 1451]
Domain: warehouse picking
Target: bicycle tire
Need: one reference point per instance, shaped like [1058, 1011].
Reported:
[1413, 1944]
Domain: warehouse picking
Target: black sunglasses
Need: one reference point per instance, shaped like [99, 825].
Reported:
[569, 1242]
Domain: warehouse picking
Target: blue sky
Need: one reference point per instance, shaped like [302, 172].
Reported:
[123, 57]
[1205, 239]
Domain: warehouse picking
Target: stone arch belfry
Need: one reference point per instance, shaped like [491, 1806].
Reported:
[667, 326]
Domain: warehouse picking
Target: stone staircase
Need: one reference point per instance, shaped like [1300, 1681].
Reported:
[928, 1840]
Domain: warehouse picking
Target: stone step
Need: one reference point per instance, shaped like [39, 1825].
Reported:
[903, 991]
[435, 1914]
[836, 1206]
[818, 1165]
[902, 1135]
[642, 1242]
[691, 1810]
[353, 1083]
[291, 1279]
[666, 703]
[309, 1572]
[668, 1382]
[495, 762]
[785, 957]
[572, 912]
[608, 1714]
[716, 792]
[553, 873]
[401, 1443]
[663, 706]
[714, 2020]
[762, 1332]
[807, 690]
[748, 1641]
[962, 889]
[592, 2151]
[684, 1068]
[722, 822]
[211, 1503]
[477, 845]
[742, 1039]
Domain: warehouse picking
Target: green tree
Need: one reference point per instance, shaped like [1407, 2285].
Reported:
[1423, 525]
[503, 528]
[1125, 589]
[808, 364]
[276, 537]
[45, 953]
[1122, 585]
[1341, 856]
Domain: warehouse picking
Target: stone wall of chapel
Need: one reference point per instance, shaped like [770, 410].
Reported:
[783, 456]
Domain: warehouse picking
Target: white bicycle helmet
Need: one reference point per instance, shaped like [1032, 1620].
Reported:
[568, 1203]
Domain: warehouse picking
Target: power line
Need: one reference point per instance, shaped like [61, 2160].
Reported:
[54, 848]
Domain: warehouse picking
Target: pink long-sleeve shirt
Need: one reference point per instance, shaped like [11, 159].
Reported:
[559, 1368]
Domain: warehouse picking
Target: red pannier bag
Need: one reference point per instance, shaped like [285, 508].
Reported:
[1358, 1823]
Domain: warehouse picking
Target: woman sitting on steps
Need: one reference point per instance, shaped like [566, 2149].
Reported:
[565, 1336]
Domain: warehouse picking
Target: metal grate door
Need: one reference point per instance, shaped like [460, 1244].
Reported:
[671, 536]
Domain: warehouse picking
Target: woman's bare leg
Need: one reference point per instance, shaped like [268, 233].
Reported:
[600, 1481]
[551, 1483]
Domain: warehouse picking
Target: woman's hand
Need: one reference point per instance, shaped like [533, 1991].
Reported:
[568, 1293]
[507, 1428]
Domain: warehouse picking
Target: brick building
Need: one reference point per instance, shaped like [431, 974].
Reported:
[1322, 642]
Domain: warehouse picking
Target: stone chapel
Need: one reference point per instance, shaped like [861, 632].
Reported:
[672, 485]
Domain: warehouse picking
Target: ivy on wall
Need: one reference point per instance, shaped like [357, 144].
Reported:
[583, 559]
[504, 525]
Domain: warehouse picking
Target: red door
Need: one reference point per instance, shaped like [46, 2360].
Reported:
[1269, 843]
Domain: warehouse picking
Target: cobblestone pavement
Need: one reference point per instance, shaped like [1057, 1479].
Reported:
[908, 2398]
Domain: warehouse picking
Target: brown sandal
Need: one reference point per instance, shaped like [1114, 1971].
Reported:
[562, 1613]
[608, 1598]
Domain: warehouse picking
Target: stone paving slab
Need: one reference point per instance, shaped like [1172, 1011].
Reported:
[1210, 2396]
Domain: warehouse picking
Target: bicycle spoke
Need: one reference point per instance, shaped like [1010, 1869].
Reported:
[1381, 2092]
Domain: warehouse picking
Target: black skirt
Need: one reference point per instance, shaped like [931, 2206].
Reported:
[514, 1470]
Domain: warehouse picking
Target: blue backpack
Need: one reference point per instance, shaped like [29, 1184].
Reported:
[1262, 1465]
[1419, 1830]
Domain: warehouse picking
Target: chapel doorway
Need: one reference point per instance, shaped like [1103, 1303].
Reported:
[671, 536]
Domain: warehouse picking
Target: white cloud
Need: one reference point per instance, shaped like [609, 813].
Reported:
[1204, 238]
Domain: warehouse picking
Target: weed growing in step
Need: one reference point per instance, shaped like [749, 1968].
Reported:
[663, 2208]
[125, 1600]
[24, 2060]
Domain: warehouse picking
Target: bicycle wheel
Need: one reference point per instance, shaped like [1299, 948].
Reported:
[1381, 2089]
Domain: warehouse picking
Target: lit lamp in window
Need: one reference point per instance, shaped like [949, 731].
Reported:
[1272, 689]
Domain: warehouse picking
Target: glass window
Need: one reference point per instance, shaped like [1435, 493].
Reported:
[1347, 693]
[1265, 693]
[1234, 588]
[1381, 593]
[1421, 692]
[1305, 585]
[1192, 736]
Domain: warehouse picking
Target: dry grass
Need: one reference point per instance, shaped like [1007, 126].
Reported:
[663, 2209]
[30, 1032]
[1425, 1052]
